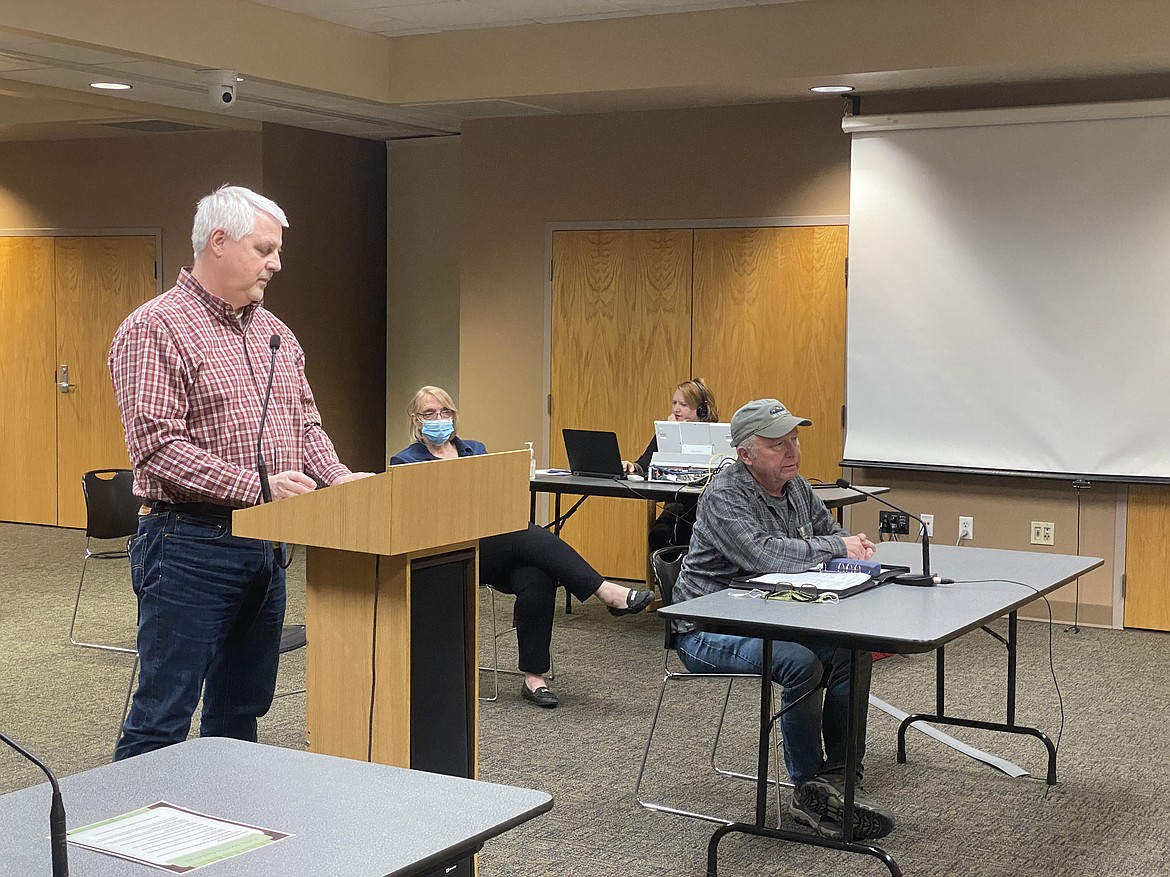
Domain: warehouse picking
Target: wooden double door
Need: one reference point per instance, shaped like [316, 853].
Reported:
[755, 312]
[61, 299]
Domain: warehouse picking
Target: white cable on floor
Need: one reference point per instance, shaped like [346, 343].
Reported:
[1007, 767]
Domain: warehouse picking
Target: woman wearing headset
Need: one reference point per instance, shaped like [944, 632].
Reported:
[692, 401]
[529, 563]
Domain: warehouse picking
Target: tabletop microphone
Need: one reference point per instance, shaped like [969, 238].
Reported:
[265, 488]
[926, 579]
[57, 837]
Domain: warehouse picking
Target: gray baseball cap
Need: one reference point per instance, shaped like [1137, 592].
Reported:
[766, 417]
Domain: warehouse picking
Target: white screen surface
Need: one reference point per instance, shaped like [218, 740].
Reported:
[1009, 295]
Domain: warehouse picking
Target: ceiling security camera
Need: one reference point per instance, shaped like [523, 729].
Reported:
[221, 88]
[222, 95]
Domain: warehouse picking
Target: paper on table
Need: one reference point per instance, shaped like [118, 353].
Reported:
[172, 838]
[822, 581]
[553, 472]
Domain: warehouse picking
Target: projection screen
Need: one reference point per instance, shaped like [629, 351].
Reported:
[1009, 291]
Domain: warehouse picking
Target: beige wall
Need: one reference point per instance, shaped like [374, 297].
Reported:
[423, 227]
[753, 162]
[1003, 509]
[332, 291]
[126, 182]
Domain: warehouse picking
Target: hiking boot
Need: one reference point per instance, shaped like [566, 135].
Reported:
[820, 803]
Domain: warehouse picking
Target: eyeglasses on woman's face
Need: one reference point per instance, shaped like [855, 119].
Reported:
[435, 414]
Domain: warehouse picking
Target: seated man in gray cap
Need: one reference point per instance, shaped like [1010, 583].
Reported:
[757, 516]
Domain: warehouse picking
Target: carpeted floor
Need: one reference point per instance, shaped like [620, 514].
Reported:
[956, 817]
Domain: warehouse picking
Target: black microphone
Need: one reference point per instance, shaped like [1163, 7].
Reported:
[265, 488]
[926, 578]
[56, 812]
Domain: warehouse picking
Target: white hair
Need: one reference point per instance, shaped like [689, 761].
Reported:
[748, 446]
[232, 208]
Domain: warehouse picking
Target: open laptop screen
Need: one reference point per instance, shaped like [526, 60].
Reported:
[593, 452]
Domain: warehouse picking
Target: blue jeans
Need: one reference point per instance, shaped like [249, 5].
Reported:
[797, 669]
[210, 612]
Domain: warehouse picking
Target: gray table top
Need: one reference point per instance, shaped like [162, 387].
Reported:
[665, 491]
[899, 618]
[348, 817]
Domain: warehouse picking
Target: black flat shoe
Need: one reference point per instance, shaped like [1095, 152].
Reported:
[636, 601]
[543, 696]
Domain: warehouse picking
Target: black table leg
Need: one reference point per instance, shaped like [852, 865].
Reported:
[557, 524]
[1008, 727]
[758, 828]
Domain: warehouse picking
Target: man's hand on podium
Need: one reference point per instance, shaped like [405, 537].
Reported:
[290, 483]
[353, 476]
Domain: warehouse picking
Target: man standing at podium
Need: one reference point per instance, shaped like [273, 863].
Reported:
[190, 371]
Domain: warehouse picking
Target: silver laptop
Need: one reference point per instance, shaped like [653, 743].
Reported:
[684, 445]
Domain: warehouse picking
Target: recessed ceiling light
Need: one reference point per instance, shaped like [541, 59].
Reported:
[831, 89]
[111, 86]
[239, 79]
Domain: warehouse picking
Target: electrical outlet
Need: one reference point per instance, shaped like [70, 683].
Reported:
[896, 523]
[1043, 533]
[966, 527]
[928, 520]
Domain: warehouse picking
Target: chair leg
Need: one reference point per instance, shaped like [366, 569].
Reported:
[722, 771]
[658, 807]
[494, 669]
[654, 805]
[77, 603]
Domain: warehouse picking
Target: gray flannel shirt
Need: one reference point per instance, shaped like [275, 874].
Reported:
[741, 530]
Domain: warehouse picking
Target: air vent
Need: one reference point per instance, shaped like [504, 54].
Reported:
[450, 114]
[153, 126]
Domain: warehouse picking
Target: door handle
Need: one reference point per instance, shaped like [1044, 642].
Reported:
[63, 379]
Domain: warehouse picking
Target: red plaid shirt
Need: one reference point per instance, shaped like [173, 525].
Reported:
[189, 377]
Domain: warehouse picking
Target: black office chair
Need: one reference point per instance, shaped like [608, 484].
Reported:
[111, 512]
[667, 563]
[292, 637]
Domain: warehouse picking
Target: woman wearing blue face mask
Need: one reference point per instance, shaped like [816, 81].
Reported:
[529, 563]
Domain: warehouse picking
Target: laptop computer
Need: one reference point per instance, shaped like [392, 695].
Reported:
[687, 444]
[593, 452]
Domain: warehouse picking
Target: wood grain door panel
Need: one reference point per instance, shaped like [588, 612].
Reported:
[99, 281]
[769, 321]
[28, 412]
[1147, 557]
[621, 315]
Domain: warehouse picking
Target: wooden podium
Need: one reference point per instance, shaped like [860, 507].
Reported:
[391, 612]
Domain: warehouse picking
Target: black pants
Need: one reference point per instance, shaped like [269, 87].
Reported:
[530, 564]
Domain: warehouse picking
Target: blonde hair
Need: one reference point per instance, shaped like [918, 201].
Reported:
[695, 392]
[415, 406]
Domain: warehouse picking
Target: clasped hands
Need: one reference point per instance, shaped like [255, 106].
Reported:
[858, 547]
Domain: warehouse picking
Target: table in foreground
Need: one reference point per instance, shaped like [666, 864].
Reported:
[891, 618]
[347, 817]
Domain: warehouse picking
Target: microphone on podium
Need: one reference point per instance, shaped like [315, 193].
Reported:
[926, 579]
[57, 837]
[265, 489]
